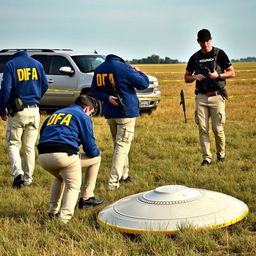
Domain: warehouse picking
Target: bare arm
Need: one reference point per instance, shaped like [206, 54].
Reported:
[229, 73]
[190, 78]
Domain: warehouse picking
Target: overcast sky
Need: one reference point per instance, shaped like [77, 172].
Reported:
[129, 28]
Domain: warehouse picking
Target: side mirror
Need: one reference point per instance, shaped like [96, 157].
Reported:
[67, 71]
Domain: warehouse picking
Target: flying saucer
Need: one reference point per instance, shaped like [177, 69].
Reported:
[170, 208]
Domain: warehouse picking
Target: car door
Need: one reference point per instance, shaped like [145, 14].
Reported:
[62, 87]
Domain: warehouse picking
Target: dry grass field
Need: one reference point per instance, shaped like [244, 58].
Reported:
[165, 151]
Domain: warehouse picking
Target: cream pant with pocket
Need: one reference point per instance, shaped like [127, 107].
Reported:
[214, 108]
[122, 131]
[22, 131]
[68, 174]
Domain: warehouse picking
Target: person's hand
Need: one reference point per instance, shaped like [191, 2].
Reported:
[213, 75]
[113, 100]
[199, 77]
[4, 117]
[135, 68]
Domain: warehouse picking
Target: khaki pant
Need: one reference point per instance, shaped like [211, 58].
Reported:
[68, 174]
[213, 107]
[22, 131]
[122, 131]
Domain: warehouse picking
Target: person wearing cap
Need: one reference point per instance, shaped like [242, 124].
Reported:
[209, 67]
[60, 137]
[23, 85]
[114, 83]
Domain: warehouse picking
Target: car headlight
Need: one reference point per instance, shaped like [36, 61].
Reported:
[156, 84]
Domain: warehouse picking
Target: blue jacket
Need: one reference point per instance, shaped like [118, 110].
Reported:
[70, 126]
[125, 79]
[24, 78]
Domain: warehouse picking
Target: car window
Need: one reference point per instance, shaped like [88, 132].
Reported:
[3, 60]
[88, 63]
[56, 62]
[43, 60]
[53, 63]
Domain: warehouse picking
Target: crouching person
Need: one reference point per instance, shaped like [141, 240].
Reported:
[60, 137]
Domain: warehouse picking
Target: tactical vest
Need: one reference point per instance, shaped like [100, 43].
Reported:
[209, 84]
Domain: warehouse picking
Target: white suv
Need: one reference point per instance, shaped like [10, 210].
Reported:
[70, 74]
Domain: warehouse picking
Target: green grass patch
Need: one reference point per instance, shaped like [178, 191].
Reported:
[165, 151]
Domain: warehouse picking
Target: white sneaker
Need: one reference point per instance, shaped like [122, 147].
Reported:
[27, 183]
[112, 188]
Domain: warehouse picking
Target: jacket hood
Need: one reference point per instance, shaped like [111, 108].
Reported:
[114, 57]
[20, 53]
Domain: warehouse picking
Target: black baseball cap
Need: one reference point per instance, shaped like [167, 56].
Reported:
[204, 35]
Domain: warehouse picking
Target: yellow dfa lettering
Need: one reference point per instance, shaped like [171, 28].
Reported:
[111, 79]
[51, 119]
[66, 120]
[58, 117]
[103, 78]
[100, 78]
[25, 74]
[20, 74]
[34, 74]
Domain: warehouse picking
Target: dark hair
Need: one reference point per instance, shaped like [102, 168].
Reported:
[85, 101]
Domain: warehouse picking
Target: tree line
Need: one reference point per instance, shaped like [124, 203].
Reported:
[248, 59]
[154, 59]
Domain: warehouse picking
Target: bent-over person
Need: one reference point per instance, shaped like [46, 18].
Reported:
[60, 137]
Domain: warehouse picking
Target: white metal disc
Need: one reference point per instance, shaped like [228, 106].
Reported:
[170, 208]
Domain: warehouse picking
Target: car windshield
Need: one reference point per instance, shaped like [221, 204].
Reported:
[88, 63]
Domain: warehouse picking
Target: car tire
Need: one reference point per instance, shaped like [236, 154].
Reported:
[98, 104]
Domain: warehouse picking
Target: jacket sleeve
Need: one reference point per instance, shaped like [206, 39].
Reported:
[44, 86]
[96, 92]
[87, 138]
[6, 86]
[43, 126]
[137, 78]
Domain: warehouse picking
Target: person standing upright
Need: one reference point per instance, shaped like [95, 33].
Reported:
[114, 83]
[210, 67]
[23, 84]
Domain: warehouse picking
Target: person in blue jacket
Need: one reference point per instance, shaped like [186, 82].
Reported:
[60, 137]
[23, 84]
[114, 83]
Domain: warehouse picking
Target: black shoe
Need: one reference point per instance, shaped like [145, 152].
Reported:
[220, 159]
[127, 180]
[91, 202]
[18, 181]
[52, 215]
[205, 163]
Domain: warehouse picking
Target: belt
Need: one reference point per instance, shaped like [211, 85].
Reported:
[31, 106]
[56, 147]
[215, 93]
